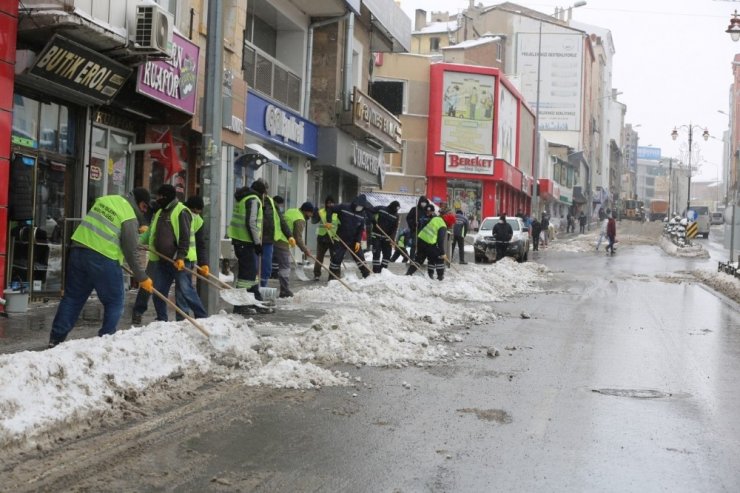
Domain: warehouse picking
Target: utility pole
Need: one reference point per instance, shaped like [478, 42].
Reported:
[210, 184]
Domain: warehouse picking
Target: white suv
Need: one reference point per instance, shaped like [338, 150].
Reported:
[484, 246]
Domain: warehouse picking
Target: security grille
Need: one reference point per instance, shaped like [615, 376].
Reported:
[263, 75]
[268, 76]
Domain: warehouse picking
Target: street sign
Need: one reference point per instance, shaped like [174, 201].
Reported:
[692, 229]
[691, 215]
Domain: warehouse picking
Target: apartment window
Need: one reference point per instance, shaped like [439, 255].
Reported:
[170, 6]
[395, 162]
[389, 93]
[433, 44]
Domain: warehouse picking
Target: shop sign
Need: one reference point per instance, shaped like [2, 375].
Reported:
[376, 121]
[96, 173]
[172, 81]
[87, 72]
[281, 126]
[368, 161]
[24, 141]
[477, 164]
[111, 120]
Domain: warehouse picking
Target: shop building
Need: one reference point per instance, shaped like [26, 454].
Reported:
[480, 141]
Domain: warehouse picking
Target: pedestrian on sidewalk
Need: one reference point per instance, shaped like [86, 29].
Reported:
[295, 219]
[172, 234]
[106, 237]
[611, 233]
[245, 231]
[536, 230]
[582, 219]
[324, 236]
[459, 231]
[571, 223]
[385, 218]
[431, 246]
[545, 223]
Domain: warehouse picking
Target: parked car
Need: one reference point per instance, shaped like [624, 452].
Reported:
[701, 216]
[484, 246]
[717, 218]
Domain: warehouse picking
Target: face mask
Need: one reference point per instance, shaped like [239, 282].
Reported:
[359, 208]
[422, 204]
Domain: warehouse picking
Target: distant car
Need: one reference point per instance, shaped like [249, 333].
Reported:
[700, 214]
[484, 246]
[717, 218]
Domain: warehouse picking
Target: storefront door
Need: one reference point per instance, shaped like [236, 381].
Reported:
[111, 166]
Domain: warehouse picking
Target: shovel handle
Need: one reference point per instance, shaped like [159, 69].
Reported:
[173, 305]
[192, 271]
[353, 254]
[329, 271]
[402, 250]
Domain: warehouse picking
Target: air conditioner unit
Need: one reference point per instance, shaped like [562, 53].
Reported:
[153, 28]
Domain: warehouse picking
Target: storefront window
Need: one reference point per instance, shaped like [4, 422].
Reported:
[49, 127]
[25, 121]
[465, 195]
[110, 163]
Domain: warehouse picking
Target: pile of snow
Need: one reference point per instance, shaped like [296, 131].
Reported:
[693, 251]
[581, 243]
[385, 319]
[724, 283]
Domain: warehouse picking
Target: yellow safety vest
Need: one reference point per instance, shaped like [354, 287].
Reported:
[278, 231]
[101, 228]
[430, 232]
[322, 229]
[238, 229]
[175, 220]
[293, 215]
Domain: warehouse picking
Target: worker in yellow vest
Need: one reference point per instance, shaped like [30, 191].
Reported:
[296, 221]
[245, 231]
[107, 236]
[431, 245]
[274, 229]
[172, 235]
[324, 236]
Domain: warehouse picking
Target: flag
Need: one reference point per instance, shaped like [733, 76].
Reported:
[167, 157]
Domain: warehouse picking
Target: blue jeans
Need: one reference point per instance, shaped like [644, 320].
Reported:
[186, 298]
[88, 270]
[266, 264]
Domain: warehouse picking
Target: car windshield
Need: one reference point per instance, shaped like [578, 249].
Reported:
[489, 222]
[514, 224]
[701, 210]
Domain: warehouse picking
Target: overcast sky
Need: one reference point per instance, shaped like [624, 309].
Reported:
[673, 63]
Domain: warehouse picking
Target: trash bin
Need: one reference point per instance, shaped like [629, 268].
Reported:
[16, 301]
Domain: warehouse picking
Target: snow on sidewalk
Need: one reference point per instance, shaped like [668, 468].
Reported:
[386, 319]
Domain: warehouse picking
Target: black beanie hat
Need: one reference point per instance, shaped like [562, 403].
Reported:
[141, 195]
[195, 202]
[307, 206]
[259, 187]
[167, 193]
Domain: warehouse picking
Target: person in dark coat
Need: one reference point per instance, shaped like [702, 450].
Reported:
[536, 230]
[459, 231]
[582, 222]
[416, 219]
[502, 233]
[611, 233]
[431, 246]
[384, 227]
[352, 219]
[545, 228]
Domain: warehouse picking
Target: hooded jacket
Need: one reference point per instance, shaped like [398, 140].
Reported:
[416, 218]
[253, 207]
[385, 218]
[352, 222]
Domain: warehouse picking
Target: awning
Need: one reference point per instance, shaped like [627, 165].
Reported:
[407, 202]
[578, 197]
[256, 149]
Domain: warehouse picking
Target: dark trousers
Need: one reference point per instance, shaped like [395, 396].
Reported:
[381, 246]
[432, 254]
[501, 250]
[535, 240]
[397, 253]
[337, 256]
[185, 295]
[458, 241]
[88, 270]
[323, 245]
[246, 276]
[610, 246]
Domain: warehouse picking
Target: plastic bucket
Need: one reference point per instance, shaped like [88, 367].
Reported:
[16, 301]
[269, 294]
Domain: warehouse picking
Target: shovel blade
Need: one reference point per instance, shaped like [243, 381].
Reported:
[300, 273]
[240, 297]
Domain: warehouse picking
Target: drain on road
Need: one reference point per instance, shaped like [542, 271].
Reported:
[633, 393]
[496, 415]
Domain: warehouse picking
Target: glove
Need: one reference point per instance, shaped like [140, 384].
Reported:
[329, 226]
[258, 248]
[143, 229]
[179, 264]
[357, 247]
[147, 285]
[291, 242]
[203, 270]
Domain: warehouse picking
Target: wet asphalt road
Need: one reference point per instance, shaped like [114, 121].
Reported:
[618, 382]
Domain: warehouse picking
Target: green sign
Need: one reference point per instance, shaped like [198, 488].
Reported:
[24, 141]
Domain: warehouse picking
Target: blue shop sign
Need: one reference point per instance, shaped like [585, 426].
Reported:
[281, 126]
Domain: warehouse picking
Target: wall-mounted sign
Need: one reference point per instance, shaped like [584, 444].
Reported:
[73, 66]
[376, 121]
[172, 81]
[366, 159]
[648, 153]
[281, 126]
[477, 164]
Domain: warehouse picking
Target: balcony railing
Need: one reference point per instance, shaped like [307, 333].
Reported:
[272, 78]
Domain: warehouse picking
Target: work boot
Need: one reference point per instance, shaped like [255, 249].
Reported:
[255, 290]
[366, 273]
[135, 318]
[286, 293]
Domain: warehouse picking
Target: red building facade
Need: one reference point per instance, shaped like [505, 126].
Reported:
[481, 139]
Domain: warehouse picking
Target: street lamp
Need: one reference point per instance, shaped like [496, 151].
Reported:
[734, 28]
[674, 136]
[536, 167]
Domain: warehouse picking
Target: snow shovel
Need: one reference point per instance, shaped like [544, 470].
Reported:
[299, 272]
[329, 271]
[231, 295]
[450, 264]
[177, 308]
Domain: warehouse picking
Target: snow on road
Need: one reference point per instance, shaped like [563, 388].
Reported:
[385, 319]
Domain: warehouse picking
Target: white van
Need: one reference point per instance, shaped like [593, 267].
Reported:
[702, 218]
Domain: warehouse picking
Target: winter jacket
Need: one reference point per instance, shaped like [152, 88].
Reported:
[611, 228]
[416, 217]
[385, 220]
[253, 215]
[502, 231]
[351, 221]
[461, 226]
